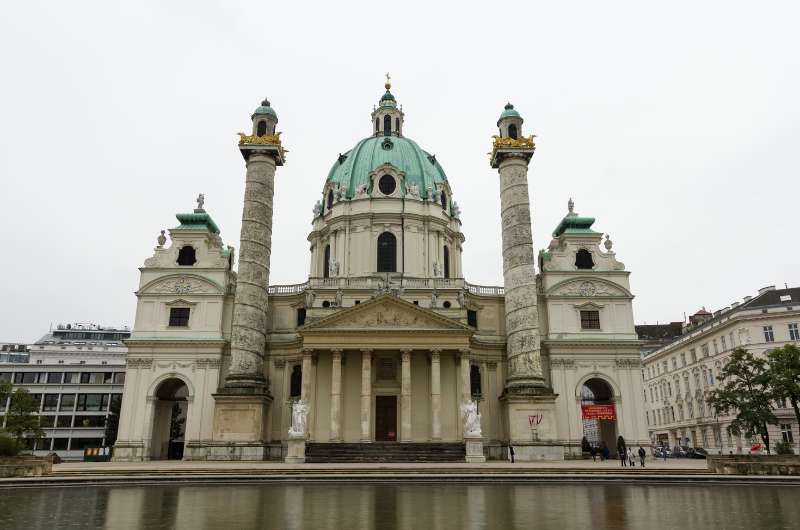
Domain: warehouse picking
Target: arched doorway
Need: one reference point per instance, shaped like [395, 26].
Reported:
[170, 410]
[599, 414]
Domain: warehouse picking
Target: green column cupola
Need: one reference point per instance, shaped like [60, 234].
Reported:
[264, 120]
[387, 118]
[510, 123]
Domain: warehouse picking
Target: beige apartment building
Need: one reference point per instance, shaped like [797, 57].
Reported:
[679, 375]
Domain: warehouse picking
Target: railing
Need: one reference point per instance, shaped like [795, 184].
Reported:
[373, 282]
[485, 290]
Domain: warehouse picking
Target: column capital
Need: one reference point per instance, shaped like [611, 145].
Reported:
[406, 350]
[405, 355]
[308, 352]
[367, 351]
[337, 352]
[435, 354]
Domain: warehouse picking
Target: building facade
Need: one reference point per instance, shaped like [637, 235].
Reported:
[73, 374]
[679, 375]
[385, 339]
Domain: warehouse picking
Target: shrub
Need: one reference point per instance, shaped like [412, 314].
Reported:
[8, 446]
[784, 448]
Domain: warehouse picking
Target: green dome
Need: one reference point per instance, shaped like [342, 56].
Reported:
[387, 96]
[509, 112]
[352, 169]
[265, 109]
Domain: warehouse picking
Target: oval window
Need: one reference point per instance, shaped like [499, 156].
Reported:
[387, 184]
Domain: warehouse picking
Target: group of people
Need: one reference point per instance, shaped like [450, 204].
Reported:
[627, 456]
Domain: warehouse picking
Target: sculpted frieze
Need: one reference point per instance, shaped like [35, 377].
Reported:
[182, 285]
[587, 289]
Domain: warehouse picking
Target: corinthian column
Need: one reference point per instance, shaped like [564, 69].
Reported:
[436, 395]
[510, 155]
[336, 395]
[366, 395]
[405, 395]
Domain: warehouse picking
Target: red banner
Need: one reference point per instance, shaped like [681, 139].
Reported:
[598, 412]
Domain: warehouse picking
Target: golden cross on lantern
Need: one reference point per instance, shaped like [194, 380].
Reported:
[388, 84]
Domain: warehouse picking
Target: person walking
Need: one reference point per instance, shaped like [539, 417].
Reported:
[642, 454]
[593, 452]
[631, 458]
[605, 453]
[664, 452]
[511, 452]
[621, 451]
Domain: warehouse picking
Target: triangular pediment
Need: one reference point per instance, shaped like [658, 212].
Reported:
[387, 313]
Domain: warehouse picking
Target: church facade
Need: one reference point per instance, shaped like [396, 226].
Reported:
[385, 340]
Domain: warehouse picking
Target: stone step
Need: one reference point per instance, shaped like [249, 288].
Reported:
[384, 452]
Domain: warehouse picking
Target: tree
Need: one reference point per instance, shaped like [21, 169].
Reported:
[745, 391]
[112, 422]
[176, 422]
[5, 391]
[21, 421]
[784, 376]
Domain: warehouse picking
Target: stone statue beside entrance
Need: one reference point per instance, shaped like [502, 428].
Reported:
[472, 419]
[299, 414]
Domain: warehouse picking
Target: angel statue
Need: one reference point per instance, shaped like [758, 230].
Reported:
[472, 420]
[299, 413]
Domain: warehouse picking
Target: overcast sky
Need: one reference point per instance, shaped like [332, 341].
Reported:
[675, 124]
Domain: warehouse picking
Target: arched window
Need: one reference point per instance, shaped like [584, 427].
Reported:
[296, 381]
[583, 259]
[377, 124]
[512, 131]
[387, 125]
[326, 262]
[261, 130]
[443, 200]
[446, 262]
[387, 252]
[397, 124]
[475, 381]
[186, 256]
[329, 202]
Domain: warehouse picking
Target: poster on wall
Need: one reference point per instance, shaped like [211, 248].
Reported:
[599, 412]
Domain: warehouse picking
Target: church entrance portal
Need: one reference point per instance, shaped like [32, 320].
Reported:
[169, 420]
[599, 414]
[386, 418]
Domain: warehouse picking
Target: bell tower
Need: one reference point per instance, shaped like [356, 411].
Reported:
[526, 394]
[241, 410]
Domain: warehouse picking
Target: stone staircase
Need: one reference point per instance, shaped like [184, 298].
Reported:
[384, 452]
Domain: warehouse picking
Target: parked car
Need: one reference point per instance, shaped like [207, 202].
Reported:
[661, 450]
[698, 452]
[681, 452]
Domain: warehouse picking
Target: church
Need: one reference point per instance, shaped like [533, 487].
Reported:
[385, 351]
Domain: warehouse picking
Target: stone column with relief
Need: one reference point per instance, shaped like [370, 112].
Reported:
[525, 391]
[405, 395]
[366, 395]
[242, 405]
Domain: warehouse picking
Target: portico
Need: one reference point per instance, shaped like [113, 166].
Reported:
[385, 370]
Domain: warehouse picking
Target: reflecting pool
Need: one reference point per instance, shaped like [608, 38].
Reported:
[403, 506]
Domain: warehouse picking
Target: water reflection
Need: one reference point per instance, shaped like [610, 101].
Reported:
[402, 506]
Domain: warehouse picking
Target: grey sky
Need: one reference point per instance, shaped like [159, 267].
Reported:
[675, 124]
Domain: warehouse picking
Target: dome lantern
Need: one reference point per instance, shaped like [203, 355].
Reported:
[510, 123]
[387, 118]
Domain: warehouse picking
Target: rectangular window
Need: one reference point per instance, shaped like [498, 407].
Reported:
[67, 402]
[46, 421]
[472, 318]
[50, 402]
[108, 378]
[85, 377]
[37, 401]
[90, 421]
[693, 354]
[54, 378]
[683, 359]
[794, 334]
[64, 422]
[769, 336]
[704, 349]
[716, 348]
[301, 316]
[786, 433]
[72, 378]
[590, 319]
[179, 317]
[104, 402]
[724, 345]
[78, 444]
[119, 378]
[89, 401]
[60, 444]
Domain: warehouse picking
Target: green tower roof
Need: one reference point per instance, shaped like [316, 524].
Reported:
[196, 221]
[265, 109]
[574, 224]
[352, 169]
[508, 112]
